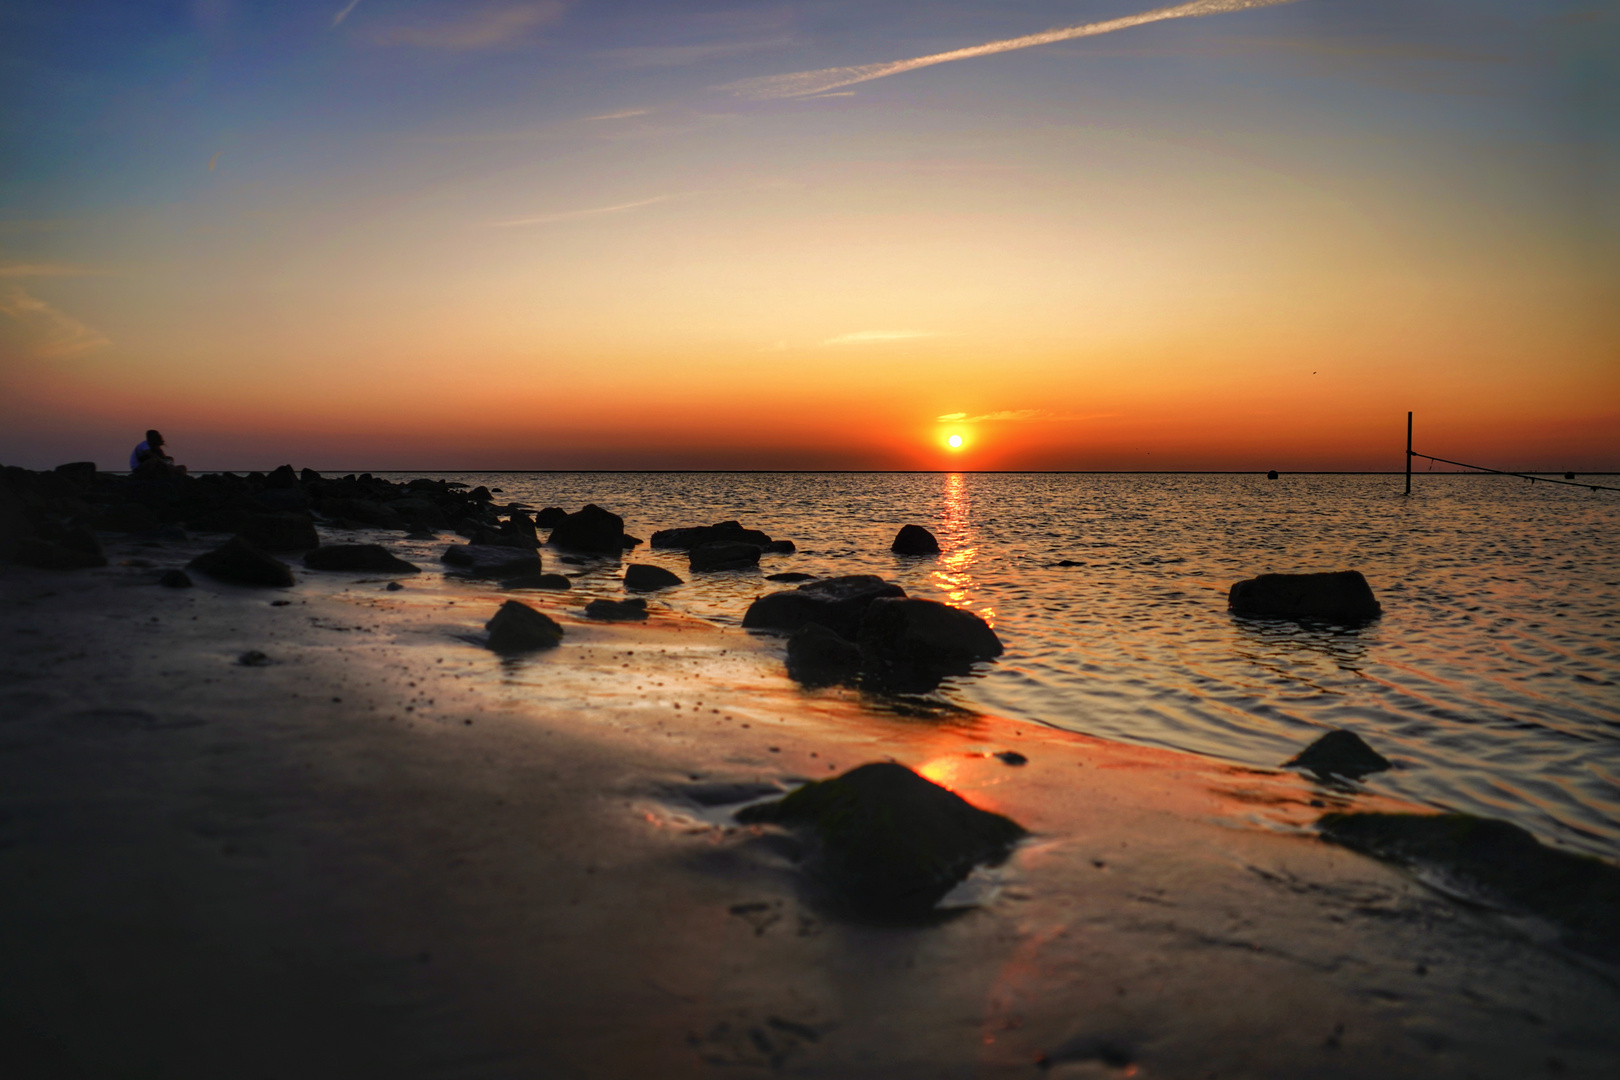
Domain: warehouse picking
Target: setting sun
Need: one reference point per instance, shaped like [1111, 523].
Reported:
[954, 442]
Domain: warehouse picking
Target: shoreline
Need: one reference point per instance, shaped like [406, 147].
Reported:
[471, 866]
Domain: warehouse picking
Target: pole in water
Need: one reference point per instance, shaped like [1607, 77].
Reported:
[1409, 453]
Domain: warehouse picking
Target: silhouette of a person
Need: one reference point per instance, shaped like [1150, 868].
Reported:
[148, 458]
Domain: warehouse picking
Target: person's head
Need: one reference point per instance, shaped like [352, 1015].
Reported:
[154, 439]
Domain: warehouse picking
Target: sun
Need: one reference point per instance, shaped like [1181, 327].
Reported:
[954, 442]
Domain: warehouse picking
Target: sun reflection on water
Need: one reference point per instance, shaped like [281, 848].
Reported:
[958, 549]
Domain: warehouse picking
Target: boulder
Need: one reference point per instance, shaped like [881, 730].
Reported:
[837, 603]
[175, 579]
[1339, 753]
[80, 472]
[685, 539]
[550, 517]
[280, 500]
[243, 563]
[1501, 863]
[914, 540]
[722, 555]
[539, 581]
[281, 477]
[818, 657]
[617, 610]
[900, 635]
[1341, 595]
[644, 577]
[886, 842]
[126, 517]
[517, 627]
[279, 532]
[779, 547]
[488, 561]
[373, 557]
[590, 529]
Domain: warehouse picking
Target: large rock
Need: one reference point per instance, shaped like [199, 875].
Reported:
[489, 561]
[837, 603]
[634, 609]
[551, 517]
[887, 842]
[1502, 864]
[914, 540]
[517, 627]
[370, 557]
[644, 577]
[242, 563]
[685, 539]
[279, 532]
[365, 511]
[1339, 753]
[126, 517]
[818, 657]
[723, 555]
[905, 641]
[1342, 595]
[556, 582]
[590, 529]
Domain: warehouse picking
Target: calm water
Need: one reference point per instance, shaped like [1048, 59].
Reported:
[1493, 678]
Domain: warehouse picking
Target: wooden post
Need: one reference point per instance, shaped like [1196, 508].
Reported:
[1409, 452]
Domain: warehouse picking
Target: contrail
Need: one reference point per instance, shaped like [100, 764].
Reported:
[802, 83]
[344, 14]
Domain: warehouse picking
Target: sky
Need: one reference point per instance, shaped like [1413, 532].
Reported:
[811, 234]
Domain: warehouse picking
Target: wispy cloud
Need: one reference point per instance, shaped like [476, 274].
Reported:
[1016, 416]
[877, 337]
[337, 19]
[47, 270]
[644, 56]
[484, 28]
[570, 215]
[622, 114]
[802, 83]
[48, 334]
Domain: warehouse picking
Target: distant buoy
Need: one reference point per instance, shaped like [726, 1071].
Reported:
[1569, 476]
[1272, 475]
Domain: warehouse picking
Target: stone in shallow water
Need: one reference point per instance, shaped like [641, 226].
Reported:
[818, 657]
[517, 627]
[617, 610]
[590, 529]
[889, 843]
[644, 577]
[242, 563]
[358, 557]
[1339, 753]
[838, 603]
[556, 582]
[1339, 595]
[723, 555]
[491, 561]
[914, 540]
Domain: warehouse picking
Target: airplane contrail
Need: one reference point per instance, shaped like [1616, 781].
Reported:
[802, 83]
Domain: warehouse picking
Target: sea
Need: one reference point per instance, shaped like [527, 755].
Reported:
[1492, 680]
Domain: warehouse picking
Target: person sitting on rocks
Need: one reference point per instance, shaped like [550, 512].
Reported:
[148, 458]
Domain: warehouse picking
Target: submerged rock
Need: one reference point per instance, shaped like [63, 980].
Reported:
[539, 581]
[243, 563]
[1339, 753]
[790, 576]
[490, 561]
[914, 540]
[816, 656]
[1501, 862]
[517, 627]
[889, 843]
[617, 610]
[900, 634]
[591, 529]
[723, 555]
[1341, 595]
[685, 539]
[837, 603]
[358, 557]
[644, 577]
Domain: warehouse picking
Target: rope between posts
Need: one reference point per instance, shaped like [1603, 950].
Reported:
[1503, 472]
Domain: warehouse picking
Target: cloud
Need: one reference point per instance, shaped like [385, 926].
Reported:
[622, 114]
[45, 332]
[570, 215]
[645, 56]
[484, 28]
[877, 337]
[1015, 416]
[36, 270]
[344, 14]
[802, 83]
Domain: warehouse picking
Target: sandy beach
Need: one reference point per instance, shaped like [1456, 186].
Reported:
[388, 851]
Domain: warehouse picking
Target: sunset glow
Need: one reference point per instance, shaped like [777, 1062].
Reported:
[1216, 235]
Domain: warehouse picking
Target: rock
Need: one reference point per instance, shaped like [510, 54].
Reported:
[631, 541]
[282, 477]
[1501, 861]
[45, 555]
[279, 532]
[617, 610]
[365, 511]
[83, 472]
[373, 557]
[644, 577]
[481, 493]
[1342, 595]
[309, 476]
[791, 575]
[1068, 562]
[914, 540]
[253, 658]
[1012, 757]
[242, 563]
[726, 531]
[889, 843]
[421, 534]
[517, 627]
[538, 581]
[280, 500]
[723, 555]
[591, 529]
[1272, 475]
[837, 603]
[779, 547]
[487, 561]
[127, 517]
[905, 640]
[175, 579]
[818, 657]
[550, 517]
[1339, 753]
[394, 586]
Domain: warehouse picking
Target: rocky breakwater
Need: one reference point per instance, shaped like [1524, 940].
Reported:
[1339, 596]
[862, 627]
[722, 546]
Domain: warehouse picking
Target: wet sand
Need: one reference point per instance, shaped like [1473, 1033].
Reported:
[388, 852]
